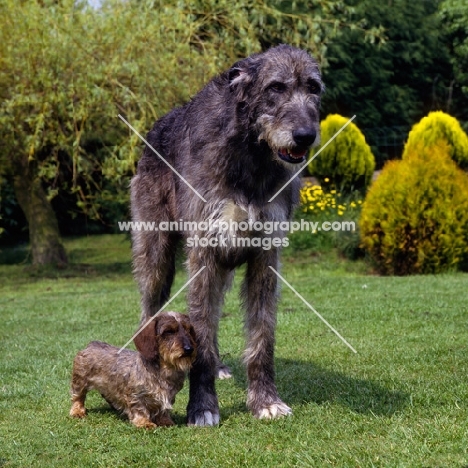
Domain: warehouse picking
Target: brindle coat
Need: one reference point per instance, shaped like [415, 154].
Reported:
[142, 385]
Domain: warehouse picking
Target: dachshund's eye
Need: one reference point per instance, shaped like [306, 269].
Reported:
[169, 332]
[313, 87]
[277, 87]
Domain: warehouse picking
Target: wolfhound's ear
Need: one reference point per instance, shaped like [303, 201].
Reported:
[240, 76]
[146, 341]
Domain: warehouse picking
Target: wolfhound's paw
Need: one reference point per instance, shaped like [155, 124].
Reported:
[276, 410]
[203, 418]
[224, 372]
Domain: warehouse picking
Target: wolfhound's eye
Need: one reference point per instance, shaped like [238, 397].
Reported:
[277, 87]
[313, 87]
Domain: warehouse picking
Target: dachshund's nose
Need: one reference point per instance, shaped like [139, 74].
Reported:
[188, 350]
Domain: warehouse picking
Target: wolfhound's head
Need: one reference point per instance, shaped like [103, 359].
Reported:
[278, 92]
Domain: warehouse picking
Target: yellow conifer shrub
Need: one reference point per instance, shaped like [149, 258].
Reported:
[439, 127]
[415, 216]
[347, 161]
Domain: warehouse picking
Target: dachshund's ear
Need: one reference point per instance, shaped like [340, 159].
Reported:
[185, 321]
[192, 333]
[146, 341]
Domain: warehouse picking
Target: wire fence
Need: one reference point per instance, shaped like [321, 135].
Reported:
[386, 142]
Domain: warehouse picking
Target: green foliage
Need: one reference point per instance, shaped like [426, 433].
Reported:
[347, 161]
[415, 216]
[454, 14]
[435, 129]
[398, 80]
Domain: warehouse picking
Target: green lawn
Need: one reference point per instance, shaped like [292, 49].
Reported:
[401, 401]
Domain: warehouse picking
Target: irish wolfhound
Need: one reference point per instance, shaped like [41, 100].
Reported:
[237, 142]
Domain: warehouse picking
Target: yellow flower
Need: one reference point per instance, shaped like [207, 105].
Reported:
[326, 179]
[340, 213]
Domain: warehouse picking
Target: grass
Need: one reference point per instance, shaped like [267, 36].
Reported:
[400, 402]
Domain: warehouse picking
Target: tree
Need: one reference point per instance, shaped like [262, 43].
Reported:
[347, 161]
[435, 129]
[61, 89]
[399, 80]
[414, 219]
[454, 18]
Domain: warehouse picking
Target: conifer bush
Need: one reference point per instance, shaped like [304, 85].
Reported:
[415, 216]
[347, 161]
[435, 128]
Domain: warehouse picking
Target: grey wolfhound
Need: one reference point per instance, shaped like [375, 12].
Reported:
[237, 142]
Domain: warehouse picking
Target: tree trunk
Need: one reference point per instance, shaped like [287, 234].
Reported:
[44, 235]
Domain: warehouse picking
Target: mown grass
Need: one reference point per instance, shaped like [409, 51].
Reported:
[400, 402]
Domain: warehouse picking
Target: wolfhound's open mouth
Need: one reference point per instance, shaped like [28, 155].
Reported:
[294, 156]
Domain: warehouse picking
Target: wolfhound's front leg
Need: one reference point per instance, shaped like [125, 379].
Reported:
[154, 269]
[205, 299]
[260, 295]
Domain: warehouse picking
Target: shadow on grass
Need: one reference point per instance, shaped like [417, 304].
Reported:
[14, 255]
[107, 410]
[304, 382]
[82, 264]
[79, 270]
[301, 382]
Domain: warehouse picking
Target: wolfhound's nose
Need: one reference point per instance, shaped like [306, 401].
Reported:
[304, 136]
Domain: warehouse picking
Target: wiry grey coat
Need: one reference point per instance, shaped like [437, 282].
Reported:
[236, 143]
